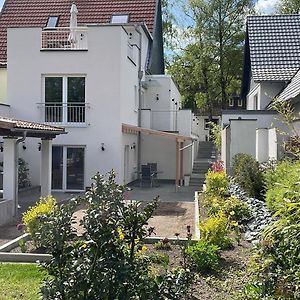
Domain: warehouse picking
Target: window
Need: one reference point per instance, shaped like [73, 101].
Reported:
[64, 99]
[231, 102]
[240, 102]
[52, 22]
[120, 19]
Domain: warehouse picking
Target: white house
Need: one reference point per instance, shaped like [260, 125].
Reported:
[105, 85]
[271, 60]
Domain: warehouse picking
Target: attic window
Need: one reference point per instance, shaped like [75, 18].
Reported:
[52, 22]
[119, 19]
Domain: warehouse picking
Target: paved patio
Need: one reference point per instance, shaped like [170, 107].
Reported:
[165, 191]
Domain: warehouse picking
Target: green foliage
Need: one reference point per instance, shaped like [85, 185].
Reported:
[204, 256]
[163, 245]
[248, 175]
[288, 7]
[216, 130]
[160, 259]
[216, 184]
[107, 262]
[23, 174]
[282, 184]
[22, 245]
[275, 265]
[215, 230]
[34, 217]
[235, 209]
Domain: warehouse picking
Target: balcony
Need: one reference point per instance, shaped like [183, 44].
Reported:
[64, 38]
[64, 114]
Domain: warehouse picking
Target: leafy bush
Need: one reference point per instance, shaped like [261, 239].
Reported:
[33, 218]
[160, 259]
[248, 175]
[216, 184]
[215, 230]
[282, 184]
[235, 209]
[276, 263]
[204, 256]
[23, 174]
[107, 262]
[164, 244]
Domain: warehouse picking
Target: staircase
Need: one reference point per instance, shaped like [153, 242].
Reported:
[202, 163]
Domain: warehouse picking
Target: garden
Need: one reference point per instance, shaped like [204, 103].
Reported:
[248, 249]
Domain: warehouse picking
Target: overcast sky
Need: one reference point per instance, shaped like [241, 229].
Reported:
[264, 6]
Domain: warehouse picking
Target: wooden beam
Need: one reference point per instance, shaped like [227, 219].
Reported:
[181, 162]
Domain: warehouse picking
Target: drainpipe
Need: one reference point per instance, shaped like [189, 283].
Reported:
[18, 141]
[140, 77]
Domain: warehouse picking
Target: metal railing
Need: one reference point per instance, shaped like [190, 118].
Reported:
[65, 38]
[63, 113]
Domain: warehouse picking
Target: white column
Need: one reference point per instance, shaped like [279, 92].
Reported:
[9, 171]
[262, 149]
[273, 143]
[46, 167]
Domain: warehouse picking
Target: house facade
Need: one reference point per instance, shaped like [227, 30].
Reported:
[106, 87]
[271, 60]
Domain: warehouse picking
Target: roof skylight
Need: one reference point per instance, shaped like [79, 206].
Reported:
[119, 19]
[52, 21]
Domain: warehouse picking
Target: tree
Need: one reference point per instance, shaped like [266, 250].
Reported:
[214, 59]
[288, 7]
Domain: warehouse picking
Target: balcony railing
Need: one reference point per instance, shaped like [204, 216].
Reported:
[65, 38]
[63, 113]
[164, 120]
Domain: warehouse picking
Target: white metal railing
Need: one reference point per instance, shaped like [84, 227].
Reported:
[65, 38]
[63, 113]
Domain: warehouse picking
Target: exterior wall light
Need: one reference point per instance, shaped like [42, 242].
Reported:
[157, 97]
[102, 147]
[1, 146]
[24, 146]
[39, 146]
[133, 146]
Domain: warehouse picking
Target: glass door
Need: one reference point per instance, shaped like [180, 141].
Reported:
[68, 168]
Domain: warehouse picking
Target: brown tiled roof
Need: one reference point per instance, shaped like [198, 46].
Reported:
[7, 123]
[35, 13]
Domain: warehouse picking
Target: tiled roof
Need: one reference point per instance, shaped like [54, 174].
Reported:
[35, 13]
[20, 124]
[274, 43]
[292, 90]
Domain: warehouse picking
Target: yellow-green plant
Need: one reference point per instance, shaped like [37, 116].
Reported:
[235, 209]
[216, 184]
[215, 230]
[33, 217]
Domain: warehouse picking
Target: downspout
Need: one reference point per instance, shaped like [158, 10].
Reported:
[18, 141]
[140, 77]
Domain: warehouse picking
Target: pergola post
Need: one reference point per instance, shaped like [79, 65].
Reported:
[46, 167]
[9, 171]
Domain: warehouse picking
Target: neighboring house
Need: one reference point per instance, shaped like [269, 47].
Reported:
[271, 60]
[103, 82]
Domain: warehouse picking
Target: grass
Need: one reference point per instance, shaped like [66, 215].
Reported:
[20, 281]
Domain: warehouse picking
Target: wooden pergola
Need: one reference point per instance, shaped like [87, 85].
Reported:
[14, 132]
[179, 140]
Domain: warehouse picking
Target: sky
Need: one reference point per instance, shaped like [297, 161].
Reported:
[264, 6]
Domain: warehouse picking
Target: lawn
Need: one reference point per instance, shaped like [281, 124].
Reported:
[20, 281]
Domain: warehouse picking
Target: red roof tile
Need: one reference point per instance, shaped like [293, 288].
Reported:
[35, 13]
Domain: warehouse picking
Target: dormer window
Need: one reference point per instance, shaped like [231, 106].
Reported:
[52, 22]
[120, 19]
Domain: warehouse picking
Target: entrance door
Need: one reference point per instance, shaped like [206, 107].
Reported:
[68, 168]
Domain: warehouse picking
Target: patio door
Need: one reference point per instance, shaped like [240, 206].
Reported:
[67, 168]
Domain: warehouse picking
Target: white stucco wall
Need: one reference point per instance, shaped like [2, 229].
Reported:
[110, 81]
[262, 145]
[3, 85]
[242, 139]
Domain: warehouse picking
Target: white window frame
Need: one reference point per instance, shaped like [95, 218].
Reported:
[255, 102]
[240, 102]
[231, 102]
[64, 93]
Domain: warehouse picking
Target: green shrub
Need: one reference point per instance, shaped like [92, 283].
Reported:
[248, 175]
[215, 230]
[33, 217]
[235, 209]
[282, 184]
[204, 256]
[23, 174]
[160, 259]
[275, 264]
[216, 184]
[164, 244]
